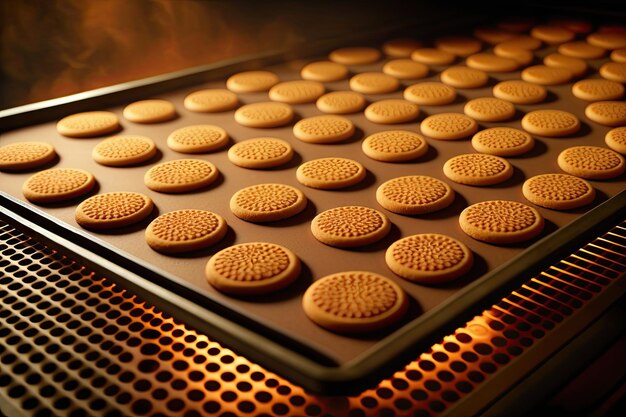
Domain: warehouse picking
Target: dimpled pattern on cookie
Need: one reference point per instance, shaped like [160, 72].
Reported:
[323, 129]
[83, 125]
[374, 83]
[251, 81]
[341, 102]
[592, 162]
[57, 184]
[489, 109]
[449, 126]
[180, 175]
[405, 69]
[149, 111]
[477, 169]
[266, 114]
[464, 77]
[520, 92]
[608, 113]
[394, 146]
[267, 202]
[197, 139]
[350, 226]
[330, 173]
[430, 94]
[550, 123]
[296, 92]
[116, 209]
[25, 155]
[616, 139]
[558, 191]
[546, 75]
[502, 141]
[124, 150]
[211, 101]
[391, 111]
[414, 194]
[185, 230]
[260, 153]
[576, 66]
[324, 71]
[597, 90]
[614, 71]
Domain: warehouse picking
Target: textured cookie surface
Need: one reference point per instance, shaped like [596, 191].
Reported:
[489, 109]
[197, 139]
[296, 92]
[581, 50]
[401, 48]
[267, 202]
[545, 75]
[501, 221]
[391, 111]
[323, 129]
[430, 94]
[211, 100]
[432, 56]
[616, 139]
[592, 162]
[58, 184]
[355, 55]
[520, 92]
[414, 194]
[264, 114]
[448, 126]
[614, 71]
[260, 153]
[477, 169]
[576, 66]
[550, 123]
[124, 150]
[324, 71]
[25, 155]
[88, 124]
[458, 45]
[150, 111]
[185, 231]
[558, 191]
[502, 141]
[341, 102]
[180, 175]
[551, 34]
[113, 210]
[350, 226]
[252, 268]
[608, 40]
[491, 63]
[429, 258]
[394, 146]
[251, 81]
[405, 69]
[374, 83]
[522, 57]
[608, 113]
[598, 90]
[330, 173]
[464, 77]
[354, 302]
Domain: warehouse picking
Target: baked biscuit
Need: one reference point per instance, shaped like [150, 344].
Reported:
[448, 126]
[522, 42]
[401, 48]
[264, 114]
[150, 111]
[88, 124]
[394, 146]
[211, 101]
[477, 169]
[260, 153]
[550, 123]
[391, 111]
[324, 71]
[262, 203]
[350, 226]
[330, 173]
[598, 90]
[297, 92]
[58, 184]
[197, 139]
[591, 162]
[489, 109]
[614, 71]
[492, 63]
[520, 92]
[430, 94]
[558, 191]
[355, 55]
[619, 55]
[414, 194]
[405, 69]
[113, 210]
[180, 176]
[464, 77]
[432, 56]
[502, 141]
[22, 156]
[582, 50]
[546, 75]
[576, 66]
[552, 35]
[616, 139]
[374, 83]
[251, 81]
[607, 40]
[523, 57]
[341, 102]
[126, 150]
[458, 45]
[492, 35]
[608, 113]
[324, 129]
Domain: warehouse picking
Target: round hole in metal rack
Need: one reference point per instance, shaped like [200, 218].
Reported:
[211, 407]
[17, 391]
[212, 385]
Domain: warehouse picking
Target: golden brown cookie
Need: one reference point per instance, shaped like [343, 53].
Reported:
[464, 77]
[545, 75]
[252, 268]
[414, 194]
[458, 45]
[262, 203]
[394, 146]
[374, 83]
[582, 50]
[354, 302]
[558, 191]
[391, 111]
[58, 184]
[608, 113]
[405, 69]
[489, 109]
[501, 222]
[197, 139]
[502, 141]
[432, 56]
[185, 230]
[126, 150]
[616, 139]
[297, 92]
[350, 226]
[522, 42]
[492, 35]
[449, 126]
[591, 162]
[21, 156]
[324, 71]
[429, 258]
[477, 169]
[491, 63]
[608, 40]
[520, 92]
[88, 124]
[324, 129]
[260, 153]
[619, 55]
[211, 101]
[552, 35]
[251, 81]
[401, 48]
[550, 123]
[576, 66]
[330, 173]
[180, 176]
[355, 55]
[150, 111]
[264, 114]
[597, 90]
[341, 102]
[113, 210]
[430, 94]
[523, 57]
[614, 71]
[575, 25]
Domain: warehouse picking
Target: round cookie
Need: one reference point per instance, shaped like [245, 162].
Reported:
[126, 150]
[591, 162]
[341, 102]
[359, 55]
[575, 25]
[197, 139]
[429, 258]
[394, 146]
[432, 56]
[350, 226]
[576, 66]
[502, 141]
[614, 71]
[489, 109]
[501, 222]
[22, 156]
[324, 71]
[523, 57]
[297, 92]
[330, 173]
[619, 55]
[405, 69]
[354, 302]
[550, 123]
[401, 48]
[521, 42]
[260, 153]
[323, 129]
[545, 75]
[262, 203]
[185, 230]
[616, 139]
[113, 210]
[477, 169]
[251, 81]
[464, 77]
[597, 90]
[264, 114]
[374, 83]
[88, 124]
[211, 101]
[180, 176]
[458, 45]
[607, 40]
[391, 111]
[520, 92]
[448, 126]
[582, 50]
[252, 268]
[149, 111]
[552, 35]
[430, 94]
[492, 35]
[558, 191]
[491, 63]
[58, 184]
[414, 194]
[608, 113]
